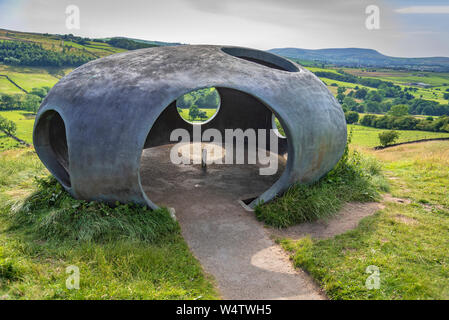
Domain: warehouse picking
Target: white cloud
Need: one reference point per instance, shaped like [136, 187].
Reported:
[424, 10]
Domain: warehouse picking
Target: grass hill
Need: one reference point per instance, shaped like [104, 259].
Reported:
[356, 57]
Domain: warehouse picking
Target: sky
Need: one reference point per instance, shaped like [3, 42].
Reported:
[407, 28]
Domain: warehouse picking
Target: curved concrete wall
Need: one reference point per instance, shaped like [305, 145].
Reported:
[114, 107]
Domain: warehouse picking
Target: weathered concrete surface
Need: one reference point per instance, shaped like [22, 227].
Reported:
[229, 242]
[103, 111]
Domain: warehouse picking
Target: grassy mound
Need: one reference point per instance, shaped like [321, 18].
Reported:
[52, 214]
[354, 178]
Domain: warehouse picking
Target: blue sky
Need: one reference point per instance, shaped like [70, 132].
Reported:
[408, 28]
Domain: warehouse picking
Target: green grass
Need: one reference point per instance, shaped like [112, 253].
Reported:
[6, 87]
[32, 77]
[125, 252]
[406, 241]
[24, 121]
[355, 178]
[369, 137]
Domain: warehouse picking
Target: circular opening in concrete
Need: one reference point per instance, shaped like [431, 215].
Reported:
[50, 142]
[199, 106]
[261, 57]
[277, 127]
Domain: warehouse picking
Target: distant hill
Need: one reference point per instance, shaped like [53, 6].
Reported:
[356, 57]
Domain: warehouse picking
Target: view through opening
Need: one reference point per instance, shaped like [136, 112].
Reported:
[187, 183]
[277, 126]
[199, 106]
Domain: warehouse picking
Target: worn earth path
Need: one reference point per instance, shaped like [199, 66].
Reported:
[229, 242]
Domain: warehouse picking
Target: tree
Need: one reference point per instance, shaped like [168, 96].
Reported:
[446, 95]
[374, 95]
[32, 102]
[361, 93]
[351, 117]
[202, 115]
[373, 107]
[193, 112]
[340, 97]
[388, 137]
[7, 126]
[368, 120]
[399, 110]
[341, 90]
[41, 92]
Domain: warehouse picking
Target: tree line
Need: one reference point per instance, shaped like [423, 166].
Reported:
[28, 102]
[394, 121]
[127, 44]
[33, 54]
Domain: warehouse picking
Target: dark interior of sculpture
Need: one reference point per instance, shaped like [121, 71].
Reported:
[50, 138]
[238, 110]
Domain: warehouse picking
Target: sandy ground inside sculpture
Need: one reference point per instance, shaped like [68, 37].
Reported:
[230, 243]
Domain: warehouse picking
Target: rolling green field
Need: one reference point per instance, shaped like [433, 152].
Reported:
[30, 77]
[7, 87]
[50, 42]
[368, 136]
[24, 121]
[439, 82]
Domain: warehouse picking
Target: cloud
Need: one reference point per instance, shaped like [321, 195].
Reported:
[424, 10]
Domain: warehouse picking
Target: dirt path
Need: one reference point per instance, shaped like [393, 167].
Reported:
[347, 219]
[228, 241]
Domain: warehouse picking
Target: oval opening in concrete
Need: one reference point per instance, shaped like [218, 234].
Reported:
[261, 57]
[188, 182]
[199, 106]
[50, 142]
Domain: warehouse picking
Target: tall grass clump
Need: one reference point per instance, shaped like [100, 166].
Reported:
[52, 214]
[355, 178]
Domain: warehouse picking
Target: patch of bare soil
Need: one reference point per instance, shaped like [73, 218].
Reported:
[347, 219]
[390, 198]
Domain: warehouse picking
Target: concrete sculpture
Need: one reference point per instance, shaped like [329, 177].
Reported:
[92, 127]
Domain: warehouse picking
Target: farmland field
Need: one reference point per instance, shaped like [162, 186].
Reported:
[368, 137]
[24, 121]
[7, 87]
[32, 77]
